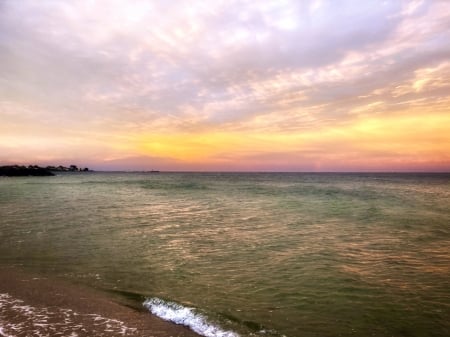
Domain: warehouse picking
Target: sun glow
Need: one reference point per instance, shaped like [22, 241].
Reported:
[410, 137]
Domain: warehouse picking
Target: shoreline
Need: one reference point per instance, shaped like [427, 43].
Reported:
[33, 304]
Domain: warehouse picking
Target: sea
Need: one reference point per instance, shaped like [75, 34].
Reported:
[245, 254]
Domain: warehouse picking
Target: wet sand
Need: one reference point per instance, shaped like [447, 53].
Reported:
[34, 305]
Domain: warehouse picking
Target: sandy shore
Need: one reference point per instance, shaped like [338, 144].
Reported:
[33, 305]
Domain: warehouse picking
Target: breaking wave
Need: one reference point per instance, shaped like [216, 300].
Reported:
[176, 313]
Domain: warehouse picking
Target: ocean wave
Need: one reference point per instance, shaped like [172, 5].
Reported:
[176, 313]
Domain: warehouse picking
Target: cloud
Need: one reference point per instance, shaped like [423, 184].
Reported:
[131, 53]
[114, 69]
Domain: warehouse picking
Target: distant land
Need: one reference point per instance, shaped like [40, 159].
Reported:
[35, 170]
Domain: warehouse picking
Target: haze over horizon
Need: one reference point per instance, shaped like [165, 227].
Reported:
[226, 85]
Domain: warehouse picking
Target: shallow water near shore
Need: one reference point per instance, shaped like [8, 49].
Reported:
[249, 254]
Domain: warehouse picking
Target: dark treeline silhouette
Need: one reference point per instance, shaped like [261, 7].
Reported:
[34, 170]
[71, 168]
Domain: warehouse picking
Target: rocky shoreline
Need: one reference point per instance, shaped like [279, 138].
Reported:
[35, 170]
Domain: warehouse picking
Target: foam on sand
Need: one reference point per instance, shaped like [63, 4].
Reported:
[43, 321]
[176, 313]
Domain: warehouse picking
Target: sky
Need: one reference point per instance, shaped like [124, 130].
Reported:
[235, 85]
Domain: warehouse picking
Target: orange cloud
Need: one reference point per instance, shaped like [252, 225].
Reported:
[383, 142]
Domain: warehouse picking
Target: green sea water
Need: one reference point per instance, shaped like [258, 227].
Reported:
[258, 254]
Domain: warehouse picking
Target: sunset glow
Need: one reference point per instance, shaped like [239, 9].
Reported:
[226, 85]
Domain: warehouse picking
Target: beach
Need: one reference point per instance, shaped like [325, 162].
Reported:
[36, 305]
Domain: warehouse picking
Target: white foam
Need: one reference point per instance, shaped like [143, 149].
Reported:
[186, 316]
[2, 333]
[36, 320]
